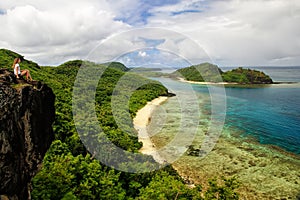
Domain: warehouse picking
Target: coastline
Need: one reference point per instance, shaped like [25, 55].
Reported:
[275, 84]
[140, 122]
[264, 171]
[207, 83]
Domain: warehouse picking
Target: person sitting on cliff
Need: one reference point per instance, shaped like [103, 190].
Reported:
[18, 72]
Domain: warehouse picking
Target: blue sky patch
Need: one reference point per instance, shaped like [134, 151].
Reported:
[160, 2]
[141, 14]
[185, 11]
[2, 12]
[148, 57]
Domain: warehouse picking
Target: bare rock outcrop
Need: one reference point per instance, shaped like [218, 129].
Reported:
[26, 116]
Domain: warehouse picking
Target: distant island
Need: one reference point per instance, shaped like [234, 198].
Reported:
[207, 72]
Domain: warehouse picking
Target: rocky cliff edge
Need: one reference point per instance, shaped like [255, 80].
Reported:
[26, 116]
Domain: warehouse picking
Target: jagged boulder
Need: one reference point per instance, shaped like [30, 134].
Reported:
[26, 116]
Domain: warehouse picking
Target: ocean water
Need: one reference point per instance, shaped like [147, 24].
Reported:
[269, 115]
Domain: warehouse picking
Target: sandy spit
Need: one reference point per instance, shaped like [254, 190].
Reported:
[207, 83]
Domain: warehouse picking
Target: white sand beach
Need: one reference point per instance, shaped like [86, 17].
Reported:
[206, 83]
[140, 123]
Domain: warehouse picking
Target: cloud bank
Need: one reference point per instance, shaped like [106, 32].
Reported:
[233, 32]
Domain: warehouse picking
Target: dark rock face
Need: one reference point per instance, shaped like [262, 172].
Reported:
[26, 116]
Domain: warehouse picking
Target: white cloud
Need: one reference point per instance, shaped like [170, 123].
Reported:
[38, 31]
[233, 32]
[142, 54]
[240, 32]
[180, 7]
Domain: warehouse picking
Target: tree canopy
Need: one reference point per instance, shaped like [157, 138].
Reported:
[70, 171]
[207, 72]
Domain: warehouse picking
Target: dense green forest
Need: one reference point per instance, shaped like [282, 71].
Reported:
[204, 72]
[246, 76]
[207, 72]
[70, 171]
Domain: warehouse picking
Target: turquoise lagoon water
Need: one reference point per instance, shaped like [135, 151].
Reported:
[270, 115]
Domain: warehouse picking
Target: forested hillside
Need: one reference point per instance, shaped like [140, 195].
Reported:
[204, 72]
[69, 171]
[207, 72]
[246, 76]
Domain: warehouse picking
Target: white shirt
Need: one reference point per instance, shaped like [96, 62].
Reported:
[17, 69]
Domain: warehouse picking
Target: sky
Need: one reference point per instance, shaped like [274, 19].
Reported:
[143, 32]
